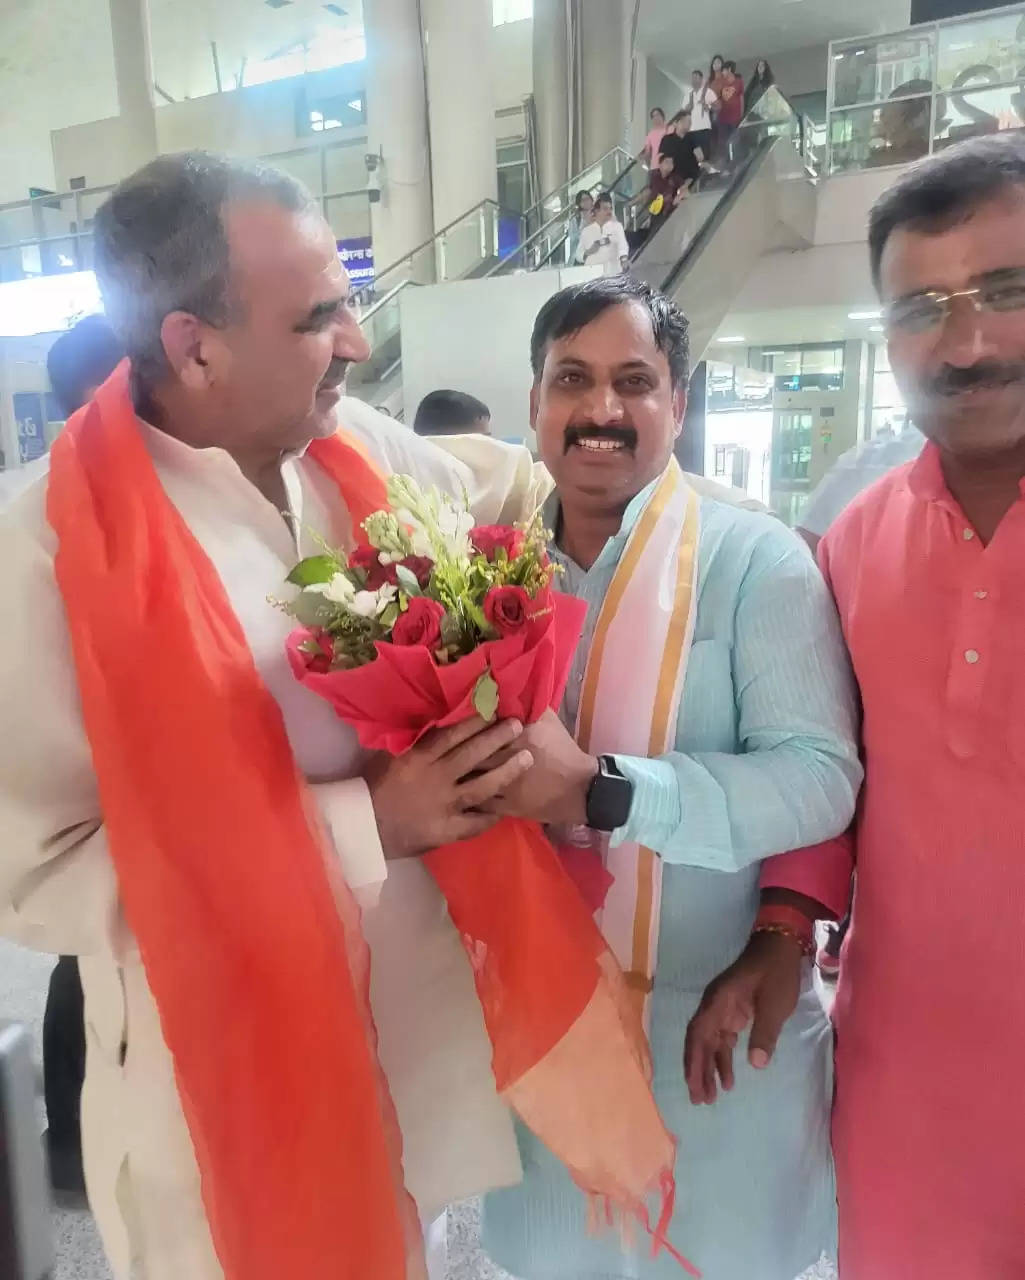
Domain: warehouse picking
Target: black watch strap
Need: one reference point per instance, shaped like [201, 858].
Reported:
[609, 796]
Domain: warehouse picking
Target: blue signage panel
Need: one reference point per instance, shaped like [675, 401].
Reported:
[358, 256]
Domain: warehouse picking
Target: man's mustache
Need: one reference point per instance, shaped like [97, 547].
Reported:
[335, 375]
[625, 434]
[986, 375]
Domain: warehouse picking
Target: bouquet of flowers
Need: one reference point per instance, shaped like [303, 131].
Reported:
[431, 621]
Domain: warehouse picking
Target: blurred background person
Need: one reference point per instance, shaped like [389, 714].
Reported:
[603, 242]
[77, 363]
[451, 413]
[583, 215]
[731, 112]
[701, 103]
[653, 140]
[761, 81]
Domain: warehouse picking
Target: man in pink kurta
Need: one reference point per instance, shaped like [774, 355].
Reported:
[928, 571]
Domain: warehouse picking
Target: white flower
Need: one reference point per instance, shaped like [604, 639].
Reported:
[371, 604]
[454, 525]
[339, 590]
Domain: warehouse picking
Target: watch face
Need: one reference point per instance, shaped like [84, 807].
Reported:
[610, 797]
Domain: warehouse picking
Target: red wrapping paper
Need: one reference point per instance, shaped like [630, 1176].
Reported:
[569, 1053]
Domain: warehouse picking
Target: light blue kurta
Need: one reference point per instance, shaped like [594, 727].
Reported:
[765, 762]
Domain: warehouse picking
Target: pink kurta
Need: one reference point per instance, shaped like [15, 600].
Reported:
[929, 1124]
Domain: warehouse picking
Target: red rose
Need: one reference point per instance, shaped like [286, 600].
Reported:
[488, 538]
[369, 560]
[318, 651]
[420, 624]
[507, 609]
[420, 566]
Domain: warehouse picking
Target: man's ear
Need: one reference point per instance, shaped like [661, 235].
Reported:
[534, 401]
[679, 410]
[185, 340]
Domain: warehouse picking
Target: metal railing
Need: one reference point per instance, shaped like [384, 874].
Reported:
[897, 97]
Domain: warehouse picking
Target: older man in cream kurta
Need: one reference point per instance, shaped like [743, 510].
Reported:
[60, 890]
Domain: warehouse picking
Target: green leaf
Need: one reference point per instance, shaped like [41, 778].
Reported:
[485, 697]
[311, 610]
[312, 570]
[407, 580]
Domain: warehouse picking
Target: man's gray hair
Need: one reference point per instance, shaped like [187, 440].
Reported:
[160, 244]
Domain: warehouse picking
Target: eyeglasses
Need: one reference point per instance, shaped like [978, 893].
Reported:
[1002, 291]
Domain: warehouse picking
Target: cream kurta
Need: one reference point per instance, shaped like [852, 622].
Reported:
[58, 889]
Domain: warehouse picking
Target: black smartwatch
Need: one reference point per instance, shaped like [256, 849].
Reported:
[609, 797]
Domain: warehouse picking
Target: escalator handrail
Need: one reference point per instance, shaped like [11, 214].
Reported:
[483, 204]
[714, 220]
[563, 215]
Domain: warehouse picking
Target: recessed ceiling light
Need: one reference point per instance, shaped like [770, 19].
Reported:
[863, 315]
[876, 328]
[735, 338]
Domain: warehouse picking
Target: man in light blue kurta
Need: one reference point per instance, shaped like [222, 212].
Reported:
[765, 761]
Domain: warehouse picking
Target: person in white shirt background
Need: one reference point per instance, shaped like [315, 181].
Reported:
[700, 103]
[224, 282]
[603, 243]
[852, 472]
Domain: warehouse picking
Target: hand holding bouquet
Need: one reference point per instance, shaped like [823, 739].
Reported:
[431, 622]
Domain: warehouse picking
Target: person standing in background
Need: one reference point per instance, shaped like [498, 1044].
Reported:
[681, 144]
[653, 141]
[582, 216]
[603, 241]
[700, 104]
[77, 363]
[731, 112]
[663, 193]
[849, 475]
[759, 84]
[451, 413]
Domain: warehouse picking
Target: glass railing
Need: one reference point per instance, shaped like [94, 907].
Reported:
[774, 116]
[897, 97]
[52, 232]
[465, 247]
[602, 175]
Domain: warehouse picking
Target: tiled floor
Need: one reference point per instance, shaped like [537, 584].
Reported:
[23, 979]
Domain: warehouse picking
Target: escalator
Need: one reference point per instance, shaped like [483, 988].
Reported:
[702, 256]
[485, 241]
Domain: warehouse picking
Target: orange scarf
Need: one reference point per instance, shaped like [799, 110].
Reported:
[251, 940]
[251, 943]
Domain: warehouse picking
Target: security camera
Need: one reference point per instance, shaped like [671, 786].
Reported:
[374, 164]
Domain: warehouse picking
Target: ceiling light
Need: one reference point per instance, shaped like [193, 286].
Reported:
[735, 338]
[863, 315]
[876, 328]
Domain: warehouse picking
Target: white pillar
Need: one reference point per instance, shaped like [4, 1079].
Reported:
[639, 102]
[133, 71]
[551, 92]
[464, 167]
[397, 127]
[605, 73]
